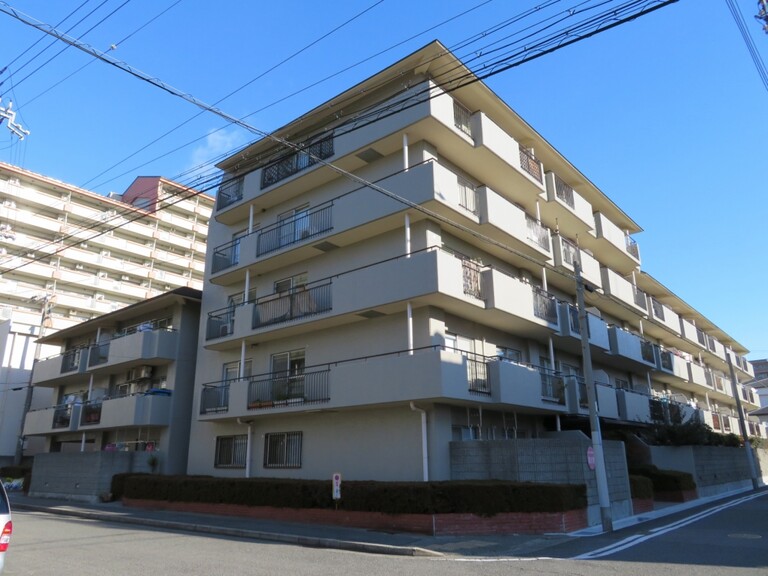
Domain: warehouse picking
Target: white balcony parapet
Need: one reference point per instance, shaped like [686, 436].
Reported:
[631, 346]
[621, 289]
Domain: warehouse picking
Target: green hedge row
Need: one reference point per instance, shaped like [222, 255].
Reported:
[665, 480]
[481, 497]
[640, 487]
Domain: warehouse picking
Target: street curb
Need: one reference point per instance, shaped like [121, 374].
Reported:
[307, 541]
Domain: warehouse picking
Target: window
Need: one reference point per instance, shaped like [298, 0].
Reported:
[294, 225]
[288, 284]
[288, 375]
[282, 450]
[508, 354]
[231, 370]
[230, 451]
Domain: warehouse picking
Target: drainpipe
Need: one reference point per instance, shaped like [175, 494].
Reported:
[248, 448]
[407, 236]
[409, 313]
[405, 152]
[250, 219]
[424, 453]
[241, 371]
[247, 286]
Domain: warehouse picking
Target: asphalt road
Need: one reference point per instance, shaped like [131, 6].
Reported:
[726, 538]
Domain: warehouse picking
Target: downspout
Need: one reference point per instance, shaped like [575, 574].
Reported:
[248, 448]
[424, 453]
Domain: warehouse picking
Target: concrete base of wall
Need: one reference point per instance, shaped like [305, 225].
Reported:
[431, 524]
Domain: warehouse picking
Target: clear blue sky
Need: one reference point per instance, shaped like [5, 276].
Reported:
[666, 114]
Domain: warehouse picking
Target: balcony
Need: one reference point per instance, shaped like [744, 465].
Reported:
[631, 297]
[692, 334]
[136, 347]
[631, 347]
[671, 364]
[403, 376]
[633, 406]
[152, 408]
[664, 315]
[52, 420]
[697, 374]
[605, 397]
[505, 221]
[301, 302]
[230, 191]
[523, 306]
[57, 369]
[527, 386]
[566, 206]
[597, 328]
[616, 249]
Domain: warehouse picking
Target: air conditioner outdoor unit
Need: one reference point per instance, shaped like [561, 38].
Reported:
[139, 373]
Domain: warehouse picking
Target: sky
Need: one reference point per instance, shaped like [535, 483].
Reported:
[666, 114]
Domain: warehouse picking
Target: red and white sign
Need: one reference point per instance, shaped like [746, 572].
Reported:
[337, 486]
[591, 458]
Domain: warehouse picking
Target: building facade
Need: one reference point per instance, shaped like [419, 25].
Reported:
[404, 279]
[68, 255]
[123, 382]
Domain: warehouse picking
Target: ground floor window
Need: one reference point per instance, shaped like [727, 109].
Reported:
[282, 450]
[230, 451]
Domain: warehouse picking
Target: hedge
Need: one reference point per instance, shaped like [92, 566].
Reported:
[478, 497]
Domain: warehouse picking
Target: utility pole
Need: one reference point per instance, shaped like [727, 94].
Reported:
[601, 475]
[762, 14]
[47, 301]
[7, 113]
[742, 424]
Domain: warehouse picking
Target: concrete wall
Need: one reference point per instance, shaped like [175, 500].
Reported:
[82, 476]
[560, 459]
[715, 469]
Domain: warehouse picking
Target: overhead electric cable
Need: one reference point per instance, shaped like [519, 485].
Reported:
[757, 60]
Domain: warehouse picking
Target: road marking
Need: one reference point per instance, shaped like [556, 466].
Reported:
[639, 538]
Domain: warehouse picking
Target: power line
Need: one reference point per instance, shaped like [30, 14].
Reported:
[751, 48]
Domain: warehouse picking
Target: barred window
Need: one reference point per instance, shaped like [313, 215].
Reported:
[230, 451]
[282, 450]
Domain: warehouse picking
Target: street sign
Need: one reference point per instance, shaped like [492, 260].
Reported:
[337, 486]
[591, 458]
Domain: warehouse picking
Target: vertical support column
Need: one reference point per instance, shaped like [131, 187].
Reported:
[409, 314]
[406, 162]
[241, 370]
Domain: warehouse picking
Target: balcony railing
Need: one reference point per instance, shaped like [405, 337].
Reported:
[658, 308]
[230, 191]
[299, 303]
[570, 252]
[70, 360]
[293, 230]
[564, 192]
[468, 195]
[220, 323]
[62, 416]
[640, 298]
[477, 372]
[632, 247]
[544, 305]
[279, 389]
[98, 354]
[472, 279]
[90, 413]
[529, 163]
[537, 233]
[701, 337]
[461, 118]
[646, 351]
[215, 399]
[297, 161]
[552, 386]
[226, 256]
[665, 356]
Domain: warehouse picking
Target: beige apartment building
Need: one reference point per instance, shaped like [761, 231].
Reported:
[403, 280]
[68, 255]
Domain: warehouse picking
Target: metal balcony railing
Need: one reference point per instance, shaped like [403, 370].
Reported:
[220, 323]
[530, 165]
[665, 356]
[472, 279]
[297, 161]
[468, 196]
[461, 118]
[646, 351]
[658, 308]
[98, 354]
[226, 256]
[280, 389]
[303, 226]
[552, 386]
[632, 248]
[701, 337]
[70, 360]
[564, 192]
[544, 305]
[90, 413]
[300, 302]
[230, 191]
[640, 297]
[62, 416]
[537, 233]
[570, 252]
[215, 399]
[477, 373]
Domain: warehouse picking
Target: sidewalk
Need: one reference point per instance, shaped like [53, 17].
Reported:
[324, 536]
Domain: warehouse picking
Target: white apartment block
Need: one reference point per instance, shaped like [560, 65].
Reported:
[68, 255]
[362, 330]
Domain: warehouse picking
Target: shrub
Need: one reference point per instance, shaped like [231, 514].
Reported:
[480, 497]
[640, 486]
[665, 480]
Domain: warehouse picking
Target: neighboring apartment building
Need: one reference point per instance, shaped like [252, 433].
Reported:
[760, 383]
[361, 330]
[123, 381]
[68, 255]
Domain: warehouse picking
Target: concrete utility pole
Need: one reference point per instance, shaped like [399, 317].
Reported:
[742, 424]
[601, 475]
[7, 113]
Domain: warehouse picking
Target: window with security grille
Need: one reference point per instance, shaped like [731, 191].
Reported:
[230, 451]
[282, 450]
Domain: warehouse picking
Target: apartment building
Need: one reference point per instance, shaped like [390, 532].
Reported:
[404, 279]
[68, 255]
[123, 382]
